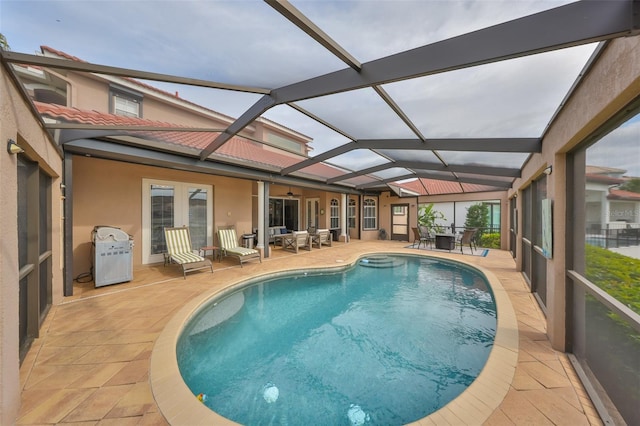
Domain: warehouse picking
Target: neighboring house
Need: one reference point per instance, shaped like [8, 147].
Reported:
[607, 206]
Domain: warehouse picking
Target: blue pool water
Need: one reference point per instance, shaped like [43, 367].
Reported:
[386, 342]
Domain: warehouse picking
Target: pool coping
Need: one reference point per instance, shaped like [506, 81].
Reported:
[178, 405]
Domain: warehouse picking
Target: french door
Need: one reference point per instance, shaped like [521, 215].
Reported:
[169, 204]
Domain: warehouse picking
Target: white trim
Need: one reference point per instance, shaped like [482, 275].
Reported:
[181, 213]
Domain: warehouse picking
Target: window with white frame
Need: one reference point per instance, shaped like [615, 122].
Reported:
[125, 102]
[334, 214]
[351, 213]
[370, 214]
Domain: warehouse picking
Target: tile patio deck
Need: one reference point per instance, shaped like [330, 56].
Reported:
[91, 364]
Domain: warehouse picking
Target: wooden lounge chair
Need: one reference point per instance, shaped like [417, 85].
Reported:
[229, 247]
[321, 236]
[296, 241]
[179, 251]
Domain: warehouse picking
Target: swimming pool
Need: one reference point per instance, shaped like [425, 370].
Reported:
[374, 344]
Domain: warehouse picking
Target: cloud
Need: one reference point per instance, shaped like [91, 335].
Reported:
[619, 149]
[371, 29]
[249, 43]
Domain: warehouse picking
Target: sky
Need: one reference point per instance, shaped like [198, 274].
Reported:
[246, 42]
[619, 149]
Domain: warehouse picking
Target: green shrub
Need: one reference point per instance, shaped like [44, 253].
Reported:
[490, 240]
[478, 217]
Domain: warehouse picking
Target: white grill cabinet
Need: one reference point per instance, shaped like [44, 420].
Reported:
[113, 256]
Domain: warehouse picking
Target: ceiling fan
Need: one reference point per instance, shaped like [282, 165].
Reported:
[291, 194]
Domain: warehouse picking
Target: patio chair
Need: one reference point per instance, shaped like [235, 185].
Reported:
[229, 246]
[296, 241]
[180, 251]
[427, 233]
[419, 238]
[321, 237]
[467, 239]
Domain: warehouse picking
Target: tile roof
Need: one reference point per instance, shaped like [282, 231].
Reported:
[237, 148]
[438, 187]
[168, 94]
[620, 194]
[606, 179]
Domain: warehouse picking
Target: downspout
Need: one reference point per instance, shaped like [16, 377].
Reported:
[68, 224]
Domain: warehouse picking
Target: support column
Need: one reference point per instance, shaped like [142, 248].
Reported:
[343, 218]
[260, 245]
[264, 206]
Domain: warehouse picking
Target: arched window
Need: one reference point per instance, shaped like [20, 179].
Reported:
[370, 214]
[334, 214]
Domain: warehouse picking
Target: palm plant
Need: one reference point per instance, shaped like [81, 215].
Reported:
[428, 216]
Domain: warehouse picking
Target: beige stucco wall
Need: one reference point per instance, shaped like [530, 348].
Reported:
[92, 93]
[110, 193]
[18, 123]
[612, 83]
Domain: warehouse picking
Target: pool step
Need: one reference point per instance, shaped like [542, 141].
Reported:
[380, 261]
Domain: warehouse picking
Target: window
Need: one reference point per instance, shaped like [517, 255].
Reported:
[370, 215]
[604, 270]
[335, 214]
[351, 214]
[494, 217]
[125, 102]
[34, 250]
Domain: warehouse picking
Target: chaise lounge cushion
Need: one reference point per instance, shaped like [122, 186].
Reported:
[180, 251]
[229, 245]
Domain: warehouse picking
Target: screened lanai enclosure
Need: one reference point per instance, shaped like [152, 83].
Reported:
[531, 107]
[464, 101]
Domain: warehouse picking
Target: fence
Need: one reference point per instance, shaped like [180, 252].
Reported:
[614, 235]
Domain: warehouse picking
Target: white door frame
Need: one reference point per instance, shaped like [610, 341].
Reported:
[312, 211]
[181, 213]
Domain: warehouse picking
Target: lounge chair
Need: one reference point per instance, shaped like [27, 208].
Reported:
[296, 241]
[321, 237]
[229, 246]
[467, 238]
[179, 250]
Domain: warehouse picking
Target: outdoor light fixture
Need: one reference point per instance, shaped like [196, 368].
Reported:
[13, 147]
[548, 171]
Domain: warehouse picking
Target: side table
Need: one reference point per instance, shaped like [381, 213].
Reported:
[446, 241]
[215, 252]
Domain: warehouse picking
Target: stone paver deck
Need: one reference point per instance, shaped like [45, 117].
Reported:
[90, 365]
